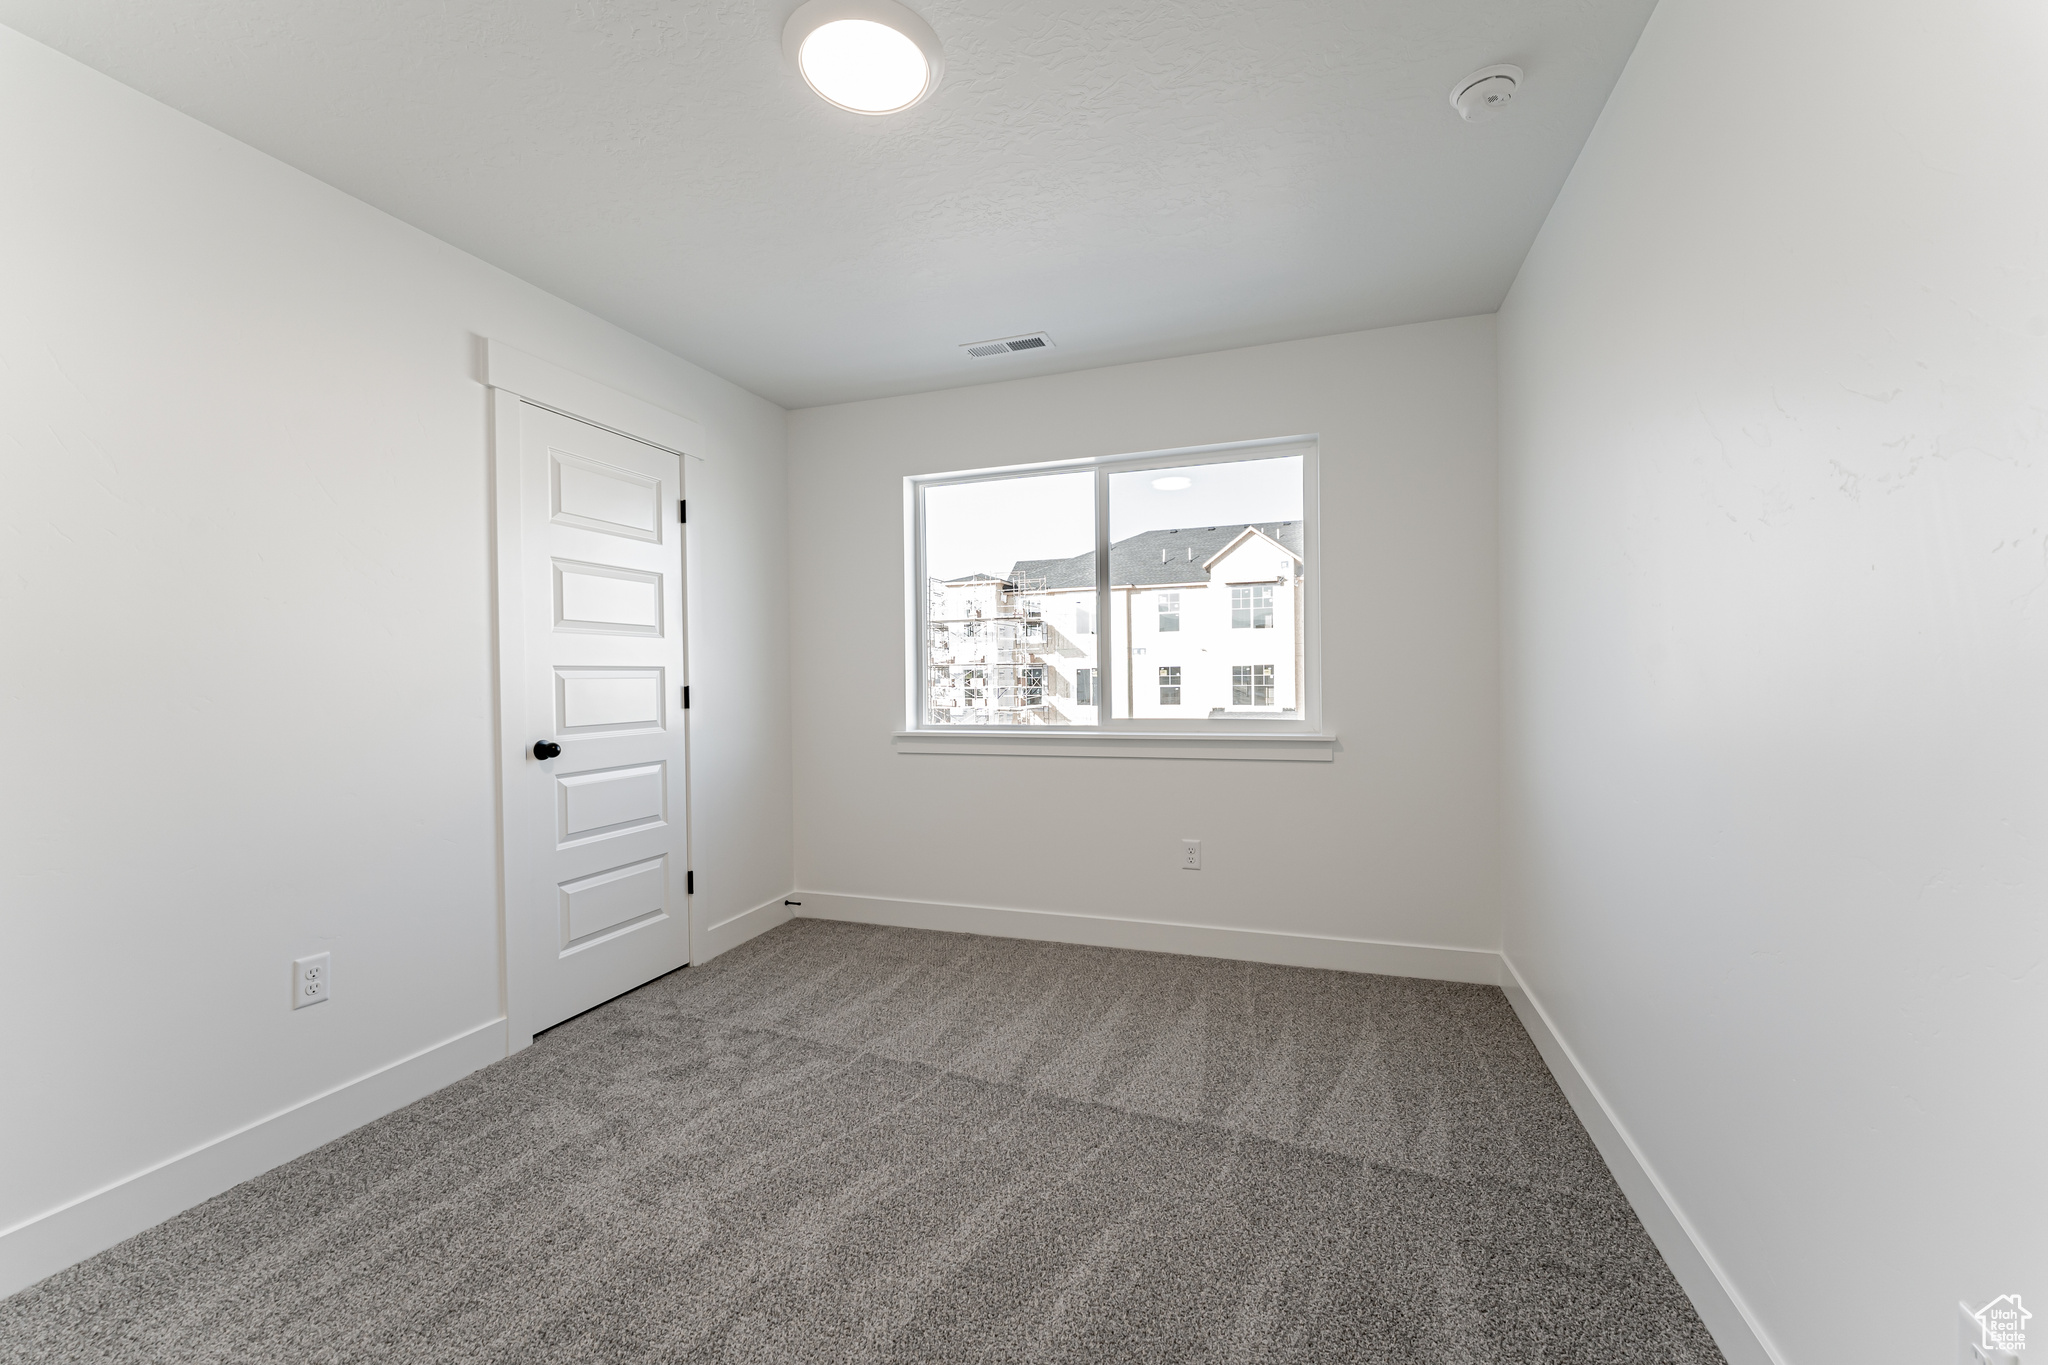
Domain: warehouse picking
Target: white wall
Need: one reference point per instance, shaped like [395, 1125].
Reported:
[1775, 468]
[1393, 841]
[246, 615]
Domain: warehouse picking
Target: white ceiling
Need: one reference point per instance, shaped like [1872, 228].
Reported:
[1140, 178]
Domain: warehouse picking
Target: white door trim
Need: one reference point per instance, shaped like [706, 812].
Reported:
[550, 386]
[513, 377]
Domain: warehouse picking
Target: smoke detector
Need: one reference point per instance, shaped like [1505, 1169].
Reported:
[1486, 92]
[981, 350]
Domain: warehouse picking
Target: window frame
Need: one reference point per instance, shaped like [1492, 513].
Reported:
[1251, 684]
[1166, 686]
[1198, 729]
[1258, 597]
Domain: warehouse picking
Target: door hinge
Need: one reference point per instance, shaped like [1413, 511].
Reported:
[683, 509]
[686, 696]
[690, 883]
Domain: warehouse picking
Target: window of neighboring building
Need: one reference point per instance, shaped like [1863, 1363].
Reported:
[1251, 607]
[1037, 592]
[1251, 685]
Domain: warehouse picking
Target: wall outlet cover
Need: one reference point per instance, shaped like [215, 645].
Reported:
[1191, 855]
[310, 979]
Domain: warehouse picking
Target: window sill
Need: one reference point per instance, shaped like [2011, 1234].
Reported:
[1063, 743]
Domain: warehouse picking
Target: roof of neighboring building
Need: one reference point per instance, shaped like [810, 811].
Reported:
[974, 578]
[1135, 560]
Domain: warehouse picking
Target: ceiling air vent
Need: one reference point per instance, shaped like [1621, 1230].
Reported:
[1037, 341]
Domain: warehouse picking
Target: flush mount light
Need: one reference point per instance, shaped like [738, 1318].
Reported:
[866, 56]
[1172, 484]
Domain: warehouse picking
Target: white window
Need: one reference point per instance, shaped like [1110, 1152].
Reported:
[1251, 607]
[1195, 544]
[1251, 685]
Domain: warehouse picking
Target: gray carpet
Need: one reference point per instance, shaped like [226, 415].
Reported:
[842, 1143]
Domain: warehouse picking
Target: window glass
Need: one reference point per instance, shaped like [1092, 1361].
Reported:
[1014, 629]
[1251, 685]
[1251, 607]
[997, 554]
[1195, 551]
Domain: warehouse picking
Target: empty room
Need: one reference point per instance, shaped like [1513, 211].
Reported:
[803, 681]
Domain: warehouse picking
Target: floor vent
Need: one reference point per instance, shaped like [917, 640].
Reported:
[1036, 341]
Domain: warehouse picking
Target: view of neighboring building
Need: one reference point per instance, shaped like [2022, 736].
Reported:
[1205, 622]
[986, 646]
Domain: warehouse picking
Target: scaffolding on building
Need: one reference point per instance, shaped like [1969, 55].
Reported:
[988, 652]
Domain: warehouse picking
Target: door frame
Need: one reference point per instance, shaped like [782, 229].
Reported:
[513, 377]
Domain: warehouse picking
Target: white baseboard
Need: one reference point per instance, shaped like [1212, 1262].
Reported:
[729, 934]
[1161, 936]
[43, 1245]
[1735, 1329]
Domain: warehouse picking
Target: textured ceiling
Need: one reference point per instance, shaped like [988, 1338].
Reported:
[1140, 178]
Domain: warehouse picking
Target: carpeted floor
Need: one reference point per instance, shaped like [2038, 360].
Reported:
[843, 1143]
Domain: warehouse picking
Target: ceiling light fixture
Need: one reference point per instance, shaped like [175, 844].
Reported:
[866, 56]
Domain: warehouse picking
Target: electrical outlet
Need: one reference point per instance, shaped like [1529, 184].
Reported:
[309, 980]
[1191, 855]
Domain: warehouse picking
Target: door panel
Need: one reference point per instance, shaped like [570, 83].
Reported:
[596, 700]
[606, 601]
[605, 900]
[597, 805]
[604, 497]
[597, 852]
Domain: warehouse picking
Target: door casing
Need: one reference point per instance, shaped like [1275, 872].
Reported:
[512, 377]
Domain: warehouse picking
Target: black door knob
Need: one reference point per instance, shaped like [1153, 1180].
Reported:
[547, 748]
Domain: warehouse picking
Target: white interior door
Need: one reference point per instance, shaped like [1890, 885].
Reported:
[597, 852]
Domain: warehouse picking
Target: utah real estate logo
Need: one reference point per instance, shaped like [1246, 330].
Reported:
[2004, 1325]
